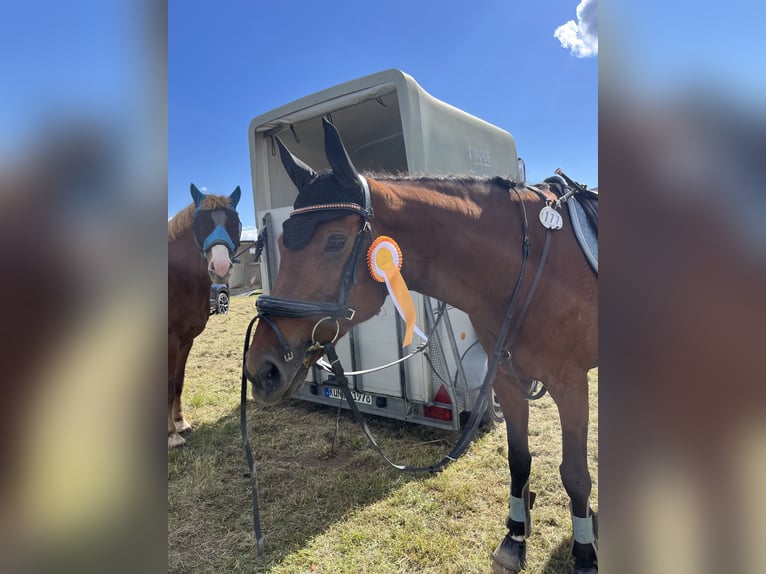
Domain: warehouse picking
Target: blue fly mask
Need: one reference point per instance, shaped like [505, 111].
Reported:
[217, 226]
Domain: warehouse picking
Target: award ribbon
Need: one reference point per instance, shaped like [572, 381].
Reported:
[384, 260]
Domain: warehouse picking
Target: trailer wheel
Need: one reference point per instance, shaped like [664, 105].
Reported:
[494, 413]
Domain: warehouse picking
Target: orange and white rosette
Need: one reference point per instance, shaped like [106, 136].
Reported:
[384, 259]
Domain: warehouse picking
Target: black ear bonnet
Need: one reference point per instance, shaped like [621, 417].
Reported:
[340, 185]
[324, 189]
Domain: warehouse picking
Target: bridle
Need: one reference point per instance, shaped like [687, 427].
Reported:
[269, 307]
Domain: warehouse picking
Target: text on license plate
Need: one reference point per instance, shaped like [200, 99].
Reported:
[336, 393]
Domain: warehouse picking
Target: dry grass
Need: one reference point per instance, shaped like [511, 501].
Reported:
[347, 512]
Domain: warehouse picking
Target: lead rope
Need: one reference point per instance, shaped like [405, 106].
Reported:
[248, 451]
[259, 244]
[421, 348]
[462, 443]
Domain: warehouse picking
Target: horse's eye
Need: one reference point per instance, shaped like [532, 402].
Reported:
[335, 243]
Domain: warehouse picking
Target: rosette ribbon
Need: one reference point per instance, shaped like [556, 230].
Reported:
[384, 260]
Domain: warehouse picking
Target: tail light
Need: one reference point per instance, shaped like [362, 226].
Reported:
[439, 412]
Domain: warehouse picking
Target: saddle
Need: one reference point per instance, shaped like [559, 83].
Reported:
[583, 212]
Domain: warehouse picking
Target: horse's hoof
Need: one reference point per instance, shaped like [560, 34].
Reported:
[182, 426]
[586, 559]
[175, 440]
[510, 556]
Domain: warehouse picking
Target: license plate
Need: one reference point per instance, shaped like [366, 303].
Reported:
[336, 393]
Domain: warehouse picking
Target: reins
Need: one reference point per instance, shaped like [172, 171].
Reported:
[295, 309]
[249, 451]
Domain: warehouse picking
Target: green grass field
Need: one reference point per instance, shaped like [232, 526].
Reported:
[345, 511]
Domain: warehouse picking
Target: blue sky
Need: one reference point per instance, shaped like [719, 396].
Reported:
[66, 61]
[230, 61]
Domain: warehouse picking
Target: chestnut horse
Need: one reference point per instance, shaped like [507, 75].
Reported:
[202, 239]
[462, 243]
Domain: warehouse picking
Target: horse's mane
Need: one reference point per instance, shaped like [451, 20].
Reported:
[448, 184]
[182, 221]
[457, 178]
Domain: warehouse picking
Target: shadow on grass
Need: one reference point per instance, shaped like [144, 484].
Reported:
[304, 487]
[560, 560]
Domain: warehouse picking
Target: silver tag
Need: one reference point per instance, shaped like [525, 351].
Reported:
[550, 218]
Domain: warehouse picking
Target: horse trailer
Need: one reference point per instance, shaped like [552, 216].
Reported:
[389, 124]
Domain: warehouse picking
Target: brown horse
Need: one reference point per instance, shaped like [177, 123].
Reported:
[461, 241]
[202, 239]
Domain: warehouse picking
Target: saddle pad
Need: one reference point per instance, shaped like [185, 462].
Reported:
[587, 237]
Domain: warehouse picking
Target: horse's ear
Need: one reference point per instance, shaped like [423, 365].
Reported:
[234, 198]
[299, 172]
[197, 195]
[336, 154]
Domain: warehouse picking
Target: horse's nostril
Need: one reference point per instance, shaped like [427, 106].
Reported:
[269, 373]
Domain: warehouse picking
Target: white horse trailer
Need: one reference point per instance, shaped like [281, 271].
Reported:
[388, 124]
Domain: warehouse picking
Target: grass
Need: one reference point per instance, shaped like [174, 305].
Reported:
[345, 511]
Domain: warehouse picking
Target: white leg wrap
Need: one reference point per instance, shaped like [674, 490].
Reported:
[583, 529]
[518, 509]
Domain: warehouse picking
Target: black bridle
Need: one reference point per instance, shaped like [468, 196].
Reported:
[270, 307]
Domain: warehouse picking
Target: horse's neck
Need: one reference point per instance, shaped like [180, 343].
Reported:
[449, 243]
[184, 256]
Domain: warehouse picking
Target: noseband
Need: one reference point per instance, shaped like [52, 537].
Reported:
[270, 307]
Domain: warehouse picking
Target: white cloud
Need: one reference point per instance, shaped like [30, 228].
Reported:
[581, 37]
[249, 232]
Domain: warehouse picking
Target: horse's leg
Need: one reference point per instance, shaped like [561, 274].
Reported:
[178, 412]
[174, 439]
[510, 555]
[570, 393]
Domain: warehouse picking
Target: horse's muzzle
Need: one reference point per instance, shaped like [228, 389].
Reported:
[266, 382]
[272, 379]
[219, 264]
[274, 375]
